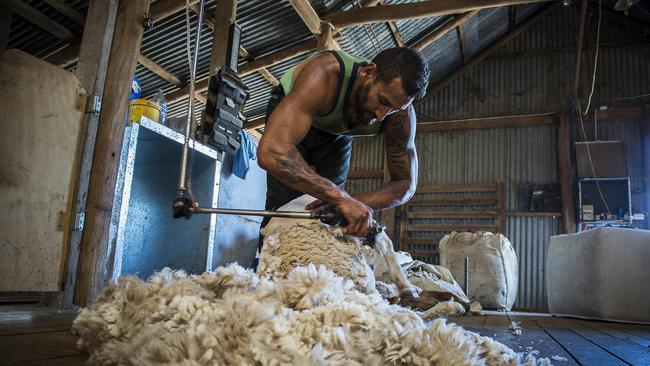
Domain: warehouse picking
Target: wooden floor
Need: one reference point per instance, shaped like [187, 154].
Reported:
[580, 342]
[36, 335]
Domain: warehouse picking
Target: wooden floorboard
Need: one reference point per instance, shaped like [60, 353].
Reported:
[584, 351]
[619, 331]
[531, 341]
[626, 351]
[38, 335]
[37, 346]
[580, 342]
[59, 361]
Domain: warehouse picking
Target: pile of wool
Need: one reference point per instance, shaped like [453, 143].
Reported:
[231, 316]
[289, 243]
[438, 287]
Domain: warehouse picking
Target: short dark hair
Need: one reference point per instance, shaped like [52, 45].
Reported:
[407, 63]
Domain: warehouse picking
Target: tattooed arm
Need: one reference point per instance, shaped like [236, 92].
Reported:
[313, 90]
[402, 162]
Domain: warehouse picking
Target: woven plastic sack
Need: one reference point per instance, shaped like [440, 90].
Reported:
[493, 273]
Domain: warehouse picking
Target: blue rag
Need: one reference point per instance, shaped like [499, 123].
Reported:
[245, 153]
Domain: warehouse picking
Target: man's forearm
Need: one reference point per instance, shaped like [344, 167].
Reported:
[389, 195]
[292, 170]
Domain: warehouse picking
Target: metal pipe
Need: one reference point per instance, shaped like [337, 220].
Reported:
[265, 213]
[467, 277]
[190, 109]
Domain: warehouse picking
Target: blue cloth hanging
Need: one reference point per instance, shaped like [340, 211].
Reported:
[243, 155]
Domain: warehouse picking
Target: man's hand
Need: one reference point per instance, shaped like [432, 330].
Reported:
[356, 213]
[319, 206]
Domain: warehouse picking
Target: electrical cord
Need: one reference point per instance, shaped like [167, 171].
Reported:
[593, 78]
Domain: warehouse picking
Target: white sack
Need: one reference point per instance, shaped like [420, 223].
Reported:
[492, 266]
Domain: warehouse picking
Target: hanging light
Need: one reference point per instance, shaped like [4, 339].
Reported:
[625, 5]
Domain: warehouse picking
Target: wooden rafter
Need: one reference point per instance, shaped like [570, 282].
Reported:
[158, 70]
[165, 8]
[269, 77]
[581, 32]
[159, 11]
[67, 10]
[423, 9]
[323, 32]
[40, 20]
[444, 29]
[252, 66]
[307, 14]
[209, 21]
[255, 122]
[487, 122]
[512, 17]
[72, 52]
[397, 36]
[463, 43]
[493, 47]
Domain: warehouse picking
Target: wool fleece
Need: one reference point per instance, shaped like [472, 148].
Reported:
[230, 316]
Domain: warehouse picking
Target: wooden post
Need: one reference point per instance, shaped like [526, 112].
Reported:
[5, 27]
[224, 17]
[565, 174]
[91, 72]
[93, 273]
[581, 32]
[501, 203]
[403, 228]
[388, 215]
[645, 133]
[326, 40]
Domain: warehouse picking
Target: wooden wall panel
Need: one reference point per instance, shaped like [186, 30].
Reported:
[42, 112]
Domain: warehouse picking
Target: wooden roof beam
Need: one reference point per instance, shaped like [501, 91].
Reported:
[463, 43]
[512, 17]
[40, 20]
[71, 53]
[307, 14]
[397, 36]
[158, 11]
[493, 47]
[209, 21]
[252, 66]
[423, 9]
[67, 10]
[581, 32]
[321, 30]
[444, 29]
[165, 8]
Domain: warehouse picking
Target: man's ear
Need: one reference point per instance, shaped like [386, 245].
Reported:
[369, 70]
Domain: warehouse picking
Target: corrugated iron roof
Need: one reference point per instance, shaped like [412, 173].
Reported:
[269, 26]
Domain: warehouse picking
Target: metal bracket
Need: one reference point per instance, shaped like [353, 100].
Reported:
[93, 104]
[79, 219]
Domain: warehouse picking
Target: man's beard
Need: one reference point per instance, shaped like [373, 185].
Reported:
[361, 98]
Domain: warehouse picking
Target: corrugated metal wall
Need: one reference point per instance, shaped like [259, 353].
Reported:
[532, 74]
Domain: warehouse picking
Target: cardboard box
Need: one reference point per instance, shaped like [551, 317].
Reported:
[587, 212]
